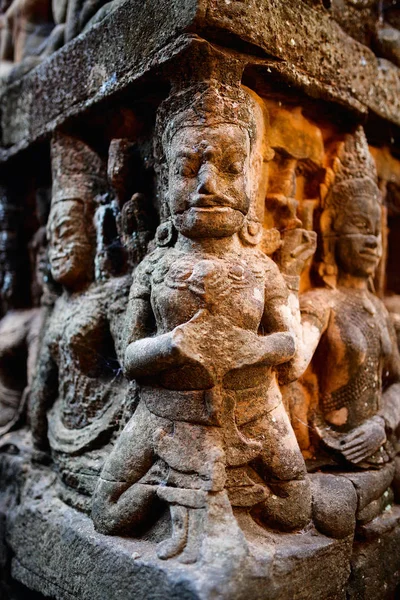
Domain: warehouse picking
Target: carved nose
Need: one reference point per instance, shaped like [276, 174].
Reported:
[207, 181]
[371, 242]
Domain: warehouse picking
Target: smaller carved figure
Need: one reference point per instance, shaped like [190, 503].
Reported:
[78, 389]
[31, 30]
[298, 146]
[25, 26]
[352, 346]
[20, 326]
[208, 322]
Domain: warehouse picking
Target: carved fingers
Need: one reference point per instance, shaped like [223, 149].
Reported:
[363, 441]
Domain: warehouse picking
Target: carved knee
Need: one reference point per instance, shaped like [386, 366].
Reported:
[334, 504]
[119, 508]
[288, 506]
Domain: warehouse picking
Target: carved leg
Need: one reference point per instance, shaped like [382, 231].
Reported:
[282, 467]
[127, 488]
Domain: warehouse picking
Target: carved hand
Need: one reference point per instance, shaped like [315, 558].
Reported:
[298, 246]
[220, 346]
[363, 441]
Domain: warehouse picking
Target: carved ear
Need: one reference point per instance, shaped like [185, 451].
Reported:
[327, 269]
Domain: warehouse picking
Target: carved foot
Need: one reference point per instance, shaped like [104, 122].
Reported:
[180, 526]
[187, 529]
[334, 505]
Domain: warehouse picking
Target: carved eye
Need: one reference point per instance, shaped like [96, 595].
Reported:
[234, 167]
[361, 224]
[186, 168]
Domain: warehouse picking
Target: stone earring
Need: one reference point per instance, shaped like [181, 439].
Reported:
[327, 269]
[165, 234]
[251, 232]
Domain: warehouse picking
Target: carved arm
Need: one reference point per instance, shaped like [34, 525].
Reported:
[43, 394]
[390, 410]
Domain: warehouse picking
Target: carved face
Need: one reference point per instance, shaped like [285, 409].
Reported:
[208, 180]
[70, 250]
[359, 245]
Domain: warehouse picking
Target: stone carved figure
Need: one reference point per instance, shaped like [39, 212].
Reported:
[353, 352]
[20, 325]
[25, 27]
[79, 388]
[298, 147]
[207, 325]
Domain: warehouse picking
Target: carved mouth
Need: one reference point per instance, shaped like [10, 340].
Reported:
[59, 258]
[369, 255]
[209, 210]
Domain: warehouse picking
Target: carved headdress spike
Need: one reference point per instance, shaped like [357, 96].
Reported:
[354, 160]
[353, 169]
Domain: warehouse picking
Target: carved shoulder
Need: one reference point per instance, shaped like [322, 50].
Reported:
[158, 260]
[275, 285]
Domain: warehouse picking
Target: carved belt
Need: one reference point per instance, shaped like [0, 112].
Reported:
[204, 406]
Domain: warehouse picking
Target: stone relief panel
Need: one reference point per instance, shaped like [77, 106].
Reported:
[31, 30]
[78, 391]
[375, 23]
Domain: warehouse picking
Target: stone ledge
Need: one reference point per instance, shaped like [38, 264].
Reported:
[56, 551]
[309, 40]
[304, 42]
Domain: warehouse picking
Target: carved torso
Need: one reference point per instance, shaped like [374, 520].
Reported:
[83, 349]
[232, 291]
[233, 286]
[351, 355]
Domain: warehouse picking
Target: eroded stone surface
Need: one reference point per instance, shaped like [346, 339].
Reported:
[229, 426]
